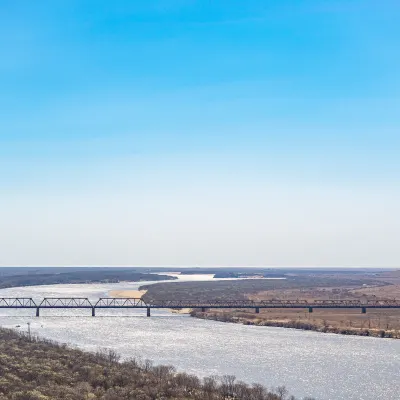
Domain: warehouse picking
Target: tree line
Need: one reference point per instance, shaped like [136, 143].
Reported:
[78, 277]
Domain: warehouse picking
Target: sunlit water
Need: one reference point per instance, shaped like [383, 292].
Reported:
[326, 366]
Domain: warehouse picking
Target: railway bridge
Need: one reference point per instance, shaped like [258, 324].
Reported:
[137, 303]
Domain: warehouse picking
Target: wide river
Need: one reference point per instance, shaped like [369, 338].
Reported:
[325, 366]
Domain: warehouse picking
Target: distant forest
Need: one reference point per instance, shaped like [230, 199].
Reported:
[15, 277]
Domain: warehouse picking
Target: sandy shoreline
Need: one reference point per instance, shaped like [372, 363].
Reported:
[133, 294]
[137, 294]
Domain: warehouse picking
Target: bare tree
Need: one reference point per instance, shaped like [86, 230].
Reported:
[282, 392]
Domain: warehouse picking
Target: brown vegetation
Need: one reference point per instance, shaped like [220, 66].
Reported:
[241, 289]
[382, 292]
[32, 369]
[378, 322]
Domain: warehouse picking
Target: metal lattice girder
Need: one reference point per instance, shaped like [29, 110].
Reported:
[17, 302]
[65, 302]
[235, 303]
[187, 304]
[282, 303]
[110, 302]
[203, 304]
[117, 302]
[338, 302]
[382, 303]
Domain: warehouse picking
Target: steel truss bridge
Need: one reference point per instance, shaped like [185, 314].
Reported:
[135, 303]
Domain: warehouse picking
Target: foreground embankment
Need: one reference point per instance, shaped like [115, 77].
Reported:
[34, 369]
[317, 325]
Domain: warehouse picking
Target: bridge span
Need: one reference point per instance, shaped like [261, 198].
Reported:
[137, 303]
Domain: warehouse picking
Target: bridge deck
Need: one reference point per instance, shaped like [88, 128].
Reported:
[110, 302]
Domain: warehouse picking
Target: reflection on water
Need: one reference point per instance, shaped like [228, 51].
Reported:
[326, 366]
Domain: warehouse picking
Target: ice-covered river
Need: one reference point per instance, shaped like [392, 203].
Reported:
[326, 366]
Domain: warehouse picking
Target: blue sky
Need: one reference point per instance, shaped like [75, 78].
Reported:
[228, 117]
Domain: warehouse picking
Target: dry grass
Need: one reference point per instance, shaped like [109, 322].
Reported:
[338, 319]
[383, 323]
[351, 318]
[368, 286]
[382, 292]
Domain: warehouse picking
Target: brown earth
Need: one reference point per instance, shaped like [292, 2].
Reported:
[368, 286]
[379, 323]
[376, 322]
[383, 292]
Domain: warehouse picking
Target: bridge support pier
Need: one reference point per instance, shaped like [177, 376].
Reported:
[203, 309]
[310, 309]
[363, 310]
[93, 312]
[257, 310]
[37, 311]
[148, 311]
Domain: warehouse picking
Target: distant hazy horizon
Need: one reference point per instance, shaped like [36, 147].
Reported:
[173, 268]
[200, 133]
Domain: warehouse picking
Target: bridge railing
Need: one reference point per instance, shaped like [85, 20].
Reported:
[285, 303]
[201, 304]
[112, 302]
[17, 302]
[382, 303]
[116, 302]
[65, 302]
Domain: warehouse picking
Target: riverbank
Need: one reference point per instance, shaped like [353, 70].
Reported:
[271, 356]
[303, 324]
[51, 371]
[376, 322]
[132, 294]
[327, 321]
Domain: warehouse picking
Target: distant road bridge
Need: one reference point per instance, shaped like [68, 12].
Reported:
[129, 303]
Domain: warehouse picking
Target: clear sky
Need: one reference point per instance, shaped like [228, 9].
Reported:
[184, 132]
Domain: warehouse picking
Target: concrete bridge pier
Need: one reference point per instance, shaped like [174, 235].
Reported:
[257, 310]
[148, 311]
[93, 312]
[37, 311]
[363, 310]
[203, 309]
[310, 309]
